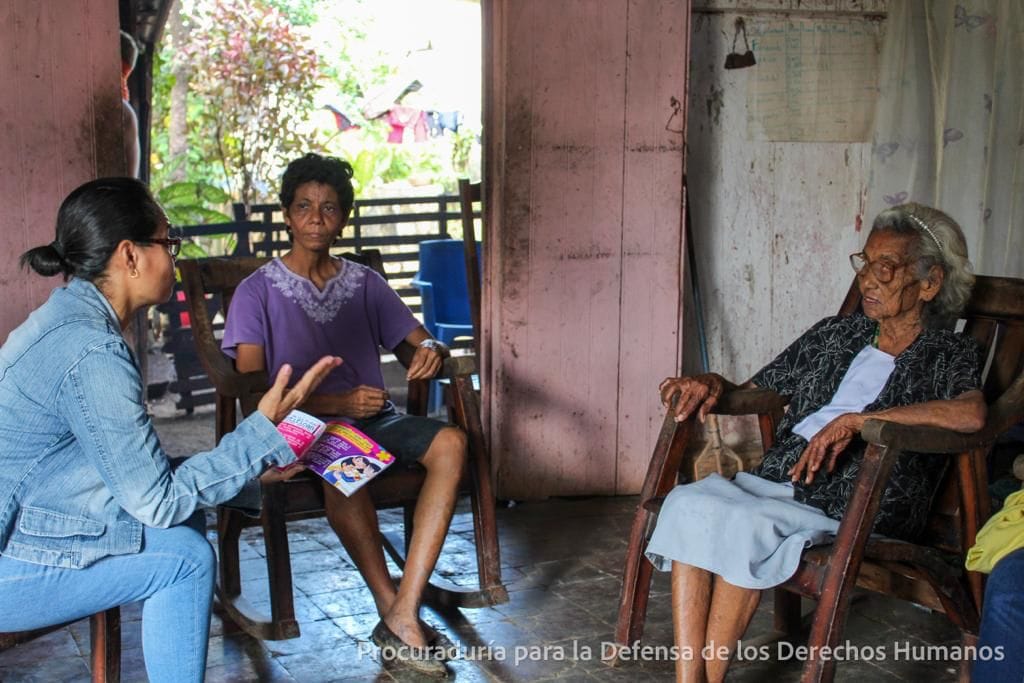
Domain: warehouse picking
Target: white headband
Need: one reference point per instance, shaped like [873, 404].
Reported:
[917, 221]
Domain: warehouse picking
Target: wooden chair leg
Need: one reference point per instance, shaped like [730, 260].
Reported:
[662, 475]
[105, 638]
[229, 530]
[485, 524]
[281, 623]
[787, 615]
[636, 582]
[440, 592]
[841, 574]
[279, 564]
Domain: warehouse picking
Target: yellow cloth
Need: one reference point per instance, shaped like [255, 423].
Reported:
[1000, 536]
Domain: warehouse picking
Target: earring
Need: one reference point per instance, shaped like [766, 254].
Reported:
[135, 272]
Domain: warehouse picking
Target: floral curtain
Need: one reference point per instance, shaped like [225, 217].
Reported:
[949, 129]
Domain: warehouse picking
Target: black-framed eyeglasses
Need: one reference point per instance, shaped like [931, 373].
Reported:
[884, 271]
[172, 244]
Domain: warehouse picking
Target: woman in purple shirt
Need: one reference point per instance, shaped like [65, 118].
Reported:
[299, 306]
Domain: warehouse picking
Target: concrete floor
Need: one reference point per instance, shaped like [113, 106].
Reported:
[561, 560]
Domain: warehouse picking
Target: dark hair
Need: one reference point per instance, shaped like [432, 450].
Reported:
[330, 171]
[129, 50]
[91, 222]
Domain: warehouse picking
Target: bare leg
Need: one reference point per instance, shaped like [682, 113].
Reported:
[732, 608]
[443, 461]
[691, 600]
[354, 519]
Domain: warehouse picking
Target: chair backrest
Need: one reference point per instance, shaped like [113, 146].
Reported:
[470, 193]
[994, 316]
[442, 265]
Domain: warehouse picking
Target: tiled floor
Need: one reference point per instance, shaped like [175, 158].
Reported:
[561, 559]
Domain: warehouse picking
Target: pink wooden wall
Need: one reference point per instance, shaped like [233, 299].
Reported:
[60, 125]
[585, 236]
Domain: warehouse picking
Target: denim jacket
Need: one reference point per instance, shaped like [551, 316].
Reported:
[81, 469]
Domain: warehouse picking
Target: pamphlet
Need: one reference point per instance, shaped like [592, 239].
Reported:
[341, 454]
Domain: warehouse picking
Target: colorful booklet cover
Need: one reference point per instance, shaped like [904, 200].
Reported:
[337, 451]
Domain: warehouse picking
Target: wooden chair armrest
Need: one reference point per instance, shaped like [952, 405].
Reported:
[1005, 412]
[922, 439]
[750, 402]
[455, 366]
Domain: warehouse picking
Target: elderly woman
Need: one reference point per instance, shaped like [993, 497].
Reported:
[896, 361]
[91, 513]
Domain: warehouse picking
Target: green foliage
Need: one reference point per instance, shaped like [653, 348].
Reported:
[258, 72]
[256, 76]
[298, 12]
[186, 203]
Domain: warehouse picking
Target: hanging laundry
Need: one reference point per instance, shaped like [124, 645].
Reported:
[450, 120]
[402, 118]
[341, 121]
[434, 124]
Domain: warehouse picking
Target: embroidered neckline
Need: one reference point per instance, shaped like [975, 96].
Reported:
[320, 305]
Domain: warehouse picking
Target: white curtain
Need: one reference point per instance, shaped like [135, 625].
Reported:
[949, 129]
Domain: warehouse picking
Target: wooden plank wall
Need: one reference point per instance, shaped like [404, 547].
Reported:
[61, 126]
[584, 268]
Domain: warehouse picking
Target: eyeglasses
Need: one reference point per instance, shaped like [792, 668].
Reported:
[173, 244]
[884, 271]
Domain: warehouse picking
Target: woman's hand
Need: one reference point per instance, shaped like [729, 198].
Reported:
[363, 401]
[281, 400]
[276, 474]
[700, 393]
[427, 360]
[827, 445]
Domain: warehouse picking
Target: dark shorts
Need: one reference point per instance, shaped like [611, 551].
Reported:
[407, 437]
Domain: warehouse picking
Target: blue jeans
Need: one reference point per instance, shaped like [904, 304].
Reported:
[174, 573]
[1002, 623]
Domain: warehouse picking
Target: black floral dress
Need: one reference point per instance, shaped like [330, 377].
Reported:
[938, 365]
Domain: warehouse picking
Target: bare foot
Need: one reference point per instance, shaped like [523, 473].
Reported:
[407, 628]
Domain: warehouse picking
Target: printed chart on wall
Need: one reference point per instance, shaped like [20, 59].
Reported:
[814, 81]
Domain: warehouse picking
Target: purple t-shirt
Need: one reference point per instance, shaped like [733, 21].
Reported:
[355, 314]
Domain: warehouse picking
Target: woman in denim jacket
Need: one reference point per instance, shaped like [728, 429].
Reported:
[91, 514]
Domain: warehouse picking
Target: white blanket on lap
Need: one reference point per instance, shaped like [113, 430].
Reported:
[749, 530]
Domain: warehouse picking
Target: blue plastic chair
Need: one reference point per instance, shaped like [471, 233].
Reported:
[442, 283]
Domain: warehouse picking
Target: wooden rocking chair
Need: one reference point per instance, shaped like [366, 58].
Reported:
[920, 572]
[302, 496]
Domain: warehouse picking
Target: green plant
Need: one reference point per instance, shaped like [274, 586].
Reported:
[187, 203]
[257, 77]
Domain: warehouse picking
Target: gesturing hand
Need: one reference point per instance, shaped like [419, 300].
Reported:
[700, 393]
[280, 400]
[427, 360]
[363, 401]
[828, 443]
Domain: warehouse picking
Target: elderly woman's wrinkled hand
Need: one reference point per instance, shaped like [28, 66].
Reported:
[826, 445]
[280, 400]
[700, 393]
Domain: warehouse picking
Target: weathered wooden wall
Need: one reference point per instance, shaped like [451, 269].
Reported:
[584, 273]
[774, 222]
[61, 126]
[585, 213]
